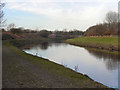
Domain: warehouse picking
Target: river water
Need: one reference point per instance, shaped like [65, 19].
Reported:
[101, 67]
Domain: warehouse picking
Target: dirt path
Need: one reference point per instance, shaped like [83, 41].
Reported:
[21, 73]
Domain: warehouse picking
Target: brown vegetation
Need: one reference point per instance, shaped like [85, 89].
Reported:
[110, 27]
[102, 30]
[21, 33]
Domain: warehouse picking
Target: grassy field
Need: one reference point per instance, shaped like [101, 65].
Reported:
[31, 71]
[108, 43]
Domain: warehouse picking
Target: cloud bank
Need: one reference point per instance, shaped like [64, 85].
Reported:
[68, 14]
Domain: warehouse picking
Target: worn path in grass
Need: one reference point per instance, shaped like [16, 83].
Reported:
[18, 72]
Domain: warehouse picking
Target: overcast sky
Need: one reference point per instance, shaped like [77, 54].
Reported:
[58, 14]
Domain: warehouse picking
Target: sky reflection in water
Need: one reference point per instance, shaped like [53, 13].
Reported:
[101, 67]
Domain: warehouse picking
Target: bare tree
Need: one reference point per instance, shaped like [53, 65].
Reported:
[112, 20]
[10, 26]
[2, 21]
[112, 17]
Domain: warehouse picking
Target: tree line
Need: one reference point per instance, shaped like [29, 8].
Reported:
[108, 27]
[28, 33]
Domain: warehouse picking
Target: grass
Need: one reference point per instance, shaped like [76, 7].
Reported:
[108, 43]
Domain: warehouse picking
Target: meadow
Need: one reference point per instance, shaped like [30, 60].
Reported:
[107, 43]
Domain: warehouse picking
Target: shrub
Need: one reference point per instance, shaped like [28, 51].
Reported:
[6, 36]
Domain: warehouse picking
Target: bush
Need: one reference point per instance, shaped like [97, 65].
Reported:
[6, 36]
[44, 33]
[16, 30]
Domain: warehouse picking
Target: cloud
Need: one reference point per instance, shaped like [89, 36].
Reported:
[99, 1]
[67, 13]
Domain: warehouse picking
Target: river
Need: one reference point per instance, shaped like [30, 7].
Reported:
[101, 67]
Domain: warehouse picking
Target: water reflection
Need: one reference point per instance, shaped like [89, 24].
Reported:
[44, 46]
[101, 67]
[111, 60]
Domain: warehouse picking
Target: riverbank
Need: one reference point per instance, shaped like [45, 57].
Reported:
[23, 42]
[21, 70]
[105, 43]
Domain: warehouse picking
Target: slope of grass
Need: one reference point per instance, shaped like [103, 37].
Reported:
[108, 43]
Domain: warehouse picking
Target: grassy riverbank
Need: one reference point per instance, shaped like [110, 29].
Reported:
[107, 43]
[23, 42]
[24, 70]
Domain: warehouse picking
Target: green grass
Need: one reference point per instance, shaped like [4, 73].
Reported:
[96, 42]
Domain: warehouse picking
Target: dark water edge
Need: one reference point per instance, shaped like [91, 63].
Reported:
[109, 49]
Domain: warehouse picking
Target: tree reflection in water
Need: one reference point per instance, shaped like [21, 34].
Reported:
[44, 46]
[111, 60]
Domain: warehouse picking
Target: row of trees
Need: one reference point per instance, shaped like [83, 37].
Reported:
[109, 27]
[45, 33]
[13, 33]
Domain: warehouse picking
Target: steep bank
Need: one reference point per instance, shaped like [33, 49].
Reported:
[24, 70]
[106, 43]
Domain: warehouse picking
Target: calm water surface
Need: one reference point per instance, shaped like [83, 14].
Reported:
[99, 66]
